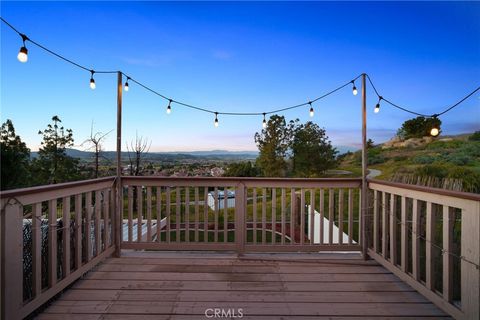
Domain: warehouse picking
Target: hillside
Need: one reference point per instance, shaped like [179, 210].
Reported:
[451, 162]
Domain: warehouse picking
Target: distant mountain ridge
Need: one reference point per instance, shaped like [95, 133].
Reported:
[211, 154]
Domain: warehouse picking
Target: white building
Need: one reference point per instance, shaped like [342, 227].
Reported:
[220, 203]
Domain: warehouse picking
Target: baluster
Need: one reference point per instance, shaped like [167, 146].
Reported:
[66, 236]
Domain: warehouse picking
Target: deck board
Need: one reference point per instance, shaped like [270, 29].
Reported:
[158, 285]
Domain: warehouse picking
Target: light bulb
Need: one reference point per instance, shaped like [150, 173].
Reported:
[377, 108]
[92, 83]
[311, 112]
[23, 54]
[126, 86]
[354, 90]
[169, 108]
[264, 124]
[434, 132]
[216, 121]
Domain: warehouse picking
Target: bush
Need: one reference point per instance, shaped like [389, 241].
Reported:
[400, 158]
[475, 136]
[459, 159]
[470, 178]
[423, 159]
[433, 170]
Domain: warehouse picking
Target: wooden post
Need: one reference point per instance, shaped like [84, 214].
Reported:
[470, 251]
[364, 203]
[119, 193]
[12, 259]
[240, 209]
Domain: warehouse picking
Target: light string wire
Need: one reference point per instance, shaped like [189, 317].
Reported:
[435, 115]
[211, 111]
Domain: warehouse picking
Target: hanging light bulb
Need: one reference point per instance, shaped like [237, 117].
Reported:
[169, 108]
[354, 89]
[377, 107]
[264, 123]
[23, 53]
[92, 81]
[216, 120]
[126, 84]
[311, 110]
[435, 129]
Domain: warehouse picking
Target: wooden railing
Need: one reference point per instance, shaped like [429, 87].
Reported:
[51, 235]
[430, 238]
[243, 214]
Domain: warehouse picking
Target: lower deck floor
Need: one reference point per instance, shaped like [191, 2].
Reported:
[211, 285]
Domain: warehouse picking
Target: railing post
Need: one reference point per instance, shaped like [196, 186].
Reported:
[364, 195]
[118, 187]
[12, 260]
[240, 210]
[470, 252]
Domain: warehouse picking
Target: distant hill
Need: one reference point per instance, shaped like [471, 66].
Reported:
[167, 156]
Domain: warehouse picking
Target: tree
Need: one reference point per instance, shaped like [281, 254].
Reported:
[273, 143]
[53, 165]
[15, 158]
[95, 142]
[312, 152]
[418, 127]
[241, 169]
[136, 152]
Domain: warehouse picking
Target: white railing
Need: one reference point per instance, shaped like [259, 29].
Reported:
[72, 222]
[243, 214]
[430, 238]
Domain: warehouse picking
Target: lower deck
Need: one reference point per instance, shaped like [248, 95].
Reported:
[208, 285]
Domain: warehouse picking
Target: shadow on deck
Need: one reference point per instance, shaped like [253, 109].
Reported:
[189, 285]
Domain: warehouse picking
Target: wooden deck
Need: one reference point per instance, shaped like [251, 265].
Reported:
[184, 285]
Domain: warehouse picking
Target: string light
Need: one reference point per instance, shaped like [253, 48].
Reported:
[435, 129]
[23, 57]
[264, 124]
[216, 120]
[92, 81]
[169, 108]
[377, 107]
[23, 53]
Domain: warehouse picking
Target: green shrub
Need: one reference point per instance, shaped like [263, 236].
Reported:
[400, 158]
[423, 159]
[433, 170]
[475, 136]
[470, 178]
[459, 159]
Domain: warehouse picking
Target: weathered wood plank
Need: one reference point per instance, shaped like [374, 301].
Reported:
[52, 243]
[254, 308]
[130, 213]
[66, 236]
[37, 249]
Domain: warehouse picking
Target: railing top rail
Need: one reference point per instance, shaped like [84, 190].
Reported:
[443, 192]
[249, 182]
[52, 187]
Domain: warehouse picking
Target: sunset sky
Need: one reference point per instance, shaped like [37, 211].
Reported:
[238, 57]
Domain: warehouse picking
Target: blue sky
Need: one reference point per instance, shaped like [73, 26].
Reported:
[247, 57]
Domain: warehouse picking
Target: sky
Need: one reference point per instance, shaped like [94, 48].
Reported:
[237, 57]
